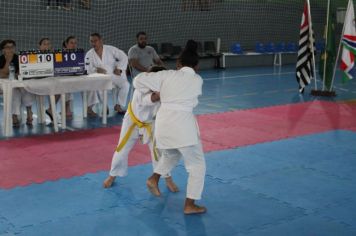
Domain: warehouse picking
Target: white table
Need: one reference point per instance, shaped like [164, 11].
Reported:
[51, 86]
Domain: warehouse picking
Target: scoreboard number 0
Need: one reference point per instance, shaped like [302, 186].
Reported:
[23, 59]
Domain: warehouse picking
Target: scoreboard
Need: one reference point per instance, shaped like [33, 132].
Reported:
[69, 62]
[36, 64]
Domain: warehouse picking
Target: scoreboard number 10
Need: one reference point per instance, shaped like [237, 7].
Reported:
[72, 57]
[69, 62]
[44, 58]
[66, 57]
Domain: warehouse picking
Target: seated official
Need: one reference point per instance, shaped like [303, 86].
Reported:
[20, 96]
[106, 59]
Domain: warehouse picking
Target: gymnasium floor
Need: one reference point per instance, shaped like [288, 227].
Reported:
[278, 163]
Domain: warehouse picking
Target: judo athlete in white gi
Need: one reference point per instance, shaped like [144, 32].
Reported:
[138, 123]
[176, 129]
[109, 60]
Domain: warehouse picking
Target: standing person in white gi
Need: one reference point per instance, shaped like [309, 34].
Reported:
[106, 59]
[138, 123]
[141, 56]
[177, 131]
[20, 95]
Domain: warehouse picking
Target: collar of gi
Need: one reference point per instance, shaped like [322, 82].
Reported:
[188, 69]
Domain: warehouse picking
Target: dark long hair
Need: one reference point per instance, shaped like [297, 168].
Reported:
[189, 56]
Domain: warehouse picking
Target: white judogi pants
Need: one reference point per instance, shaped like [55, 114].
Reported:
[21, 97]
[194, 163]
[123, 87]
[119, 164]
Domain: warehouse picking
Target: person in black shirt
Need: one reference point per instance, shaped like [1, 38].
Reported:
[8, 56]
[20, 96]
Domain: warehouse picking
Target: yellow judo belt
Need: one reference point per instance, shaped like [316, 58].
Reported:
[139, 124]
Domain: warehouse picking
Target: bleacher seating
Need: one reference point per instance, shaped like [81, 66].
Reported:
[269, 47]
[291, 47]
[259, 47]
[236, 48]
[200, 50]
[209, 47]
[176, 51]
[166, 50]
[171, 52]
[280, 47]
[155, 46]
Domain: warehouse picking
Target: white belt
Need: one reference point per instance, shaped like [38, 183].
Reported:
[176, 107]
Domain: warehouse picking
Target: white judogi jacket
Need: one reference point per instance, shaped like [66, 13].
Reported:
[144, 110]
[175, 125]
[142, 106]
[112, 58]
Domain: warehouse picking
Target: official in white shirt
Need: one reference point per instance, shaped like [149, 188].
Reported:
[138, 123]
[177, 132]
[109, 60]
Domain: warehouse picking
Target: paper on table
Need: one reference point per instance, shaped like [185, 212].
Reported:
[96, 75]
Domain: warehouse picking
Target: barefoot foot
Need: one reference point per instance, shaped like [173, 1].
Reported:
[191, 208]
[153, 187]
[171, 185]
[108, 182]
[194, 210]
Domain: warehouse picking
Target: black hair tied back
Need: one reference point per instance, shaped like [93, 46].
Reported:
[189, 56]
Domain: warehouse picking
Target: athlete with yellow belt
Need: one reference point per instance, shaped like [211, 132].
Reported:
[138, 123]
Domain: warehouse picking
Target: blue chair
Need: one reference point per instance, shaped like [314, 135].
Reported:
[236, 48]
[291, 47]
[270, 48]
[260, 48]
[155, 46]
[280, 47]
[166, 50]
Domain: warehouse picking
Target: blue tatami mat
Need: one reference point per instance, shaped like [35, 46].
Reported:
[299, 186]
